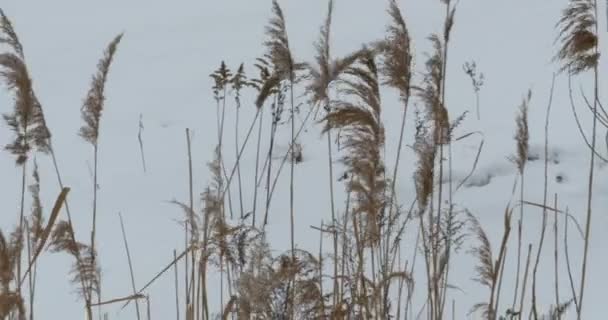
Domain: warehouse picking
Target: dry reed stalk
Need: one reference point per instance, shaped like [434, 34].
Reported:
[222, 77]
[544, 221]
[363, 136]
[238, 81]
[259, 84]
[91, 115]
[148, 313]
[470, 68]
[568, 265]
[159, 274]
[522, 138]
[555, 256]
[578, 122]
[133, 297]
[321, 270]
[190, 223]
[46, 233]
[523, 288]
[285, 67]
[444, 267]
[30, 280]
[489, 271]
[397, 71]
[129, 261]
[140, 140]
[322, 76]
[579, 52]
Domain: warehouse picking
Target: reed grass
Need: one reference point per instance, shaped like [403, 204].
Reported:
[375, 273]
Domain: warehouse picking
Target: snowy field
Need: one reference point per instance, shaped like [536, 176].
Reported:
[161, 71]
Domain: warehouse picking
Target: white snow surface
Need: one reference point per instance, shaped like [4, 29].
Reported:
[161, 70]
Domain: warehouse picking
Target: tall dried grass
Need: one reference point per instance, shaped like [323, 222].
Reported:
[367, 270]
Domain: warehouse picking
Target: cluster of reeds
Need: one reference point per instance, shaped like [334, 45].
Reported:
[368, 274]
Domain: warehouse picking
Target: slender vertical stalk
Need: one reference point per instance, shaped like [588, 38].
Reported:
[333, 214]
[273, 131]
[238, 164]
[523, 287]
[220, 145]
[257, 165]
[124, 237]
[555, 255]
[291, 184]
[141, 143]
[29, 275]
[567, 256]
[176, 286]
[148, 306]
[519, 234]
[191, 224]
[321, 293]
[544, 221]
[590, 186]
[186, 235]
[94, 228]
[21, 219]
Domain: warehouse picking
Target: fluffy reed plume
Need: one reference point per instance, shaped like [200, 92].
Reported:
[522, 136]
[91, 110]
[489, 271]
[430, 93]
[36, 221]
[277, 45]
[221, 78]
[326, 70]
[269, 84]
[265, 293]
[486, 273]
[285, 68]
[35, 228]
[397, 62]
[27, 120]
[94, 101]
[11, 301]
[278, 54]
[434, 130]
[91, 115]
[578, 39]
[425, 166]
[84, 271]
[363, 139]
[9, 36]
[323, 74]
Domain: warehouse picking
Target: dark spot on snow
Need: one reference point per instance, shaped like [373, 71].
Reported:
[479, 181]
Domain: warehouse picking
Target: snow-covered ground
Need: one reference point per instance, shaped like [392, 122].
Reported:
[161, 71]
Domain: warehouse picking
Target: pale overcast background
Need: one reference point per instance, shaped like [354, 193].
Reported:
[161, 70]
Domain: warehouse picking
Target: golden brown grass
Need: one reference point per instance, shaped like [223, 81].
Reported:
[367, 232]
